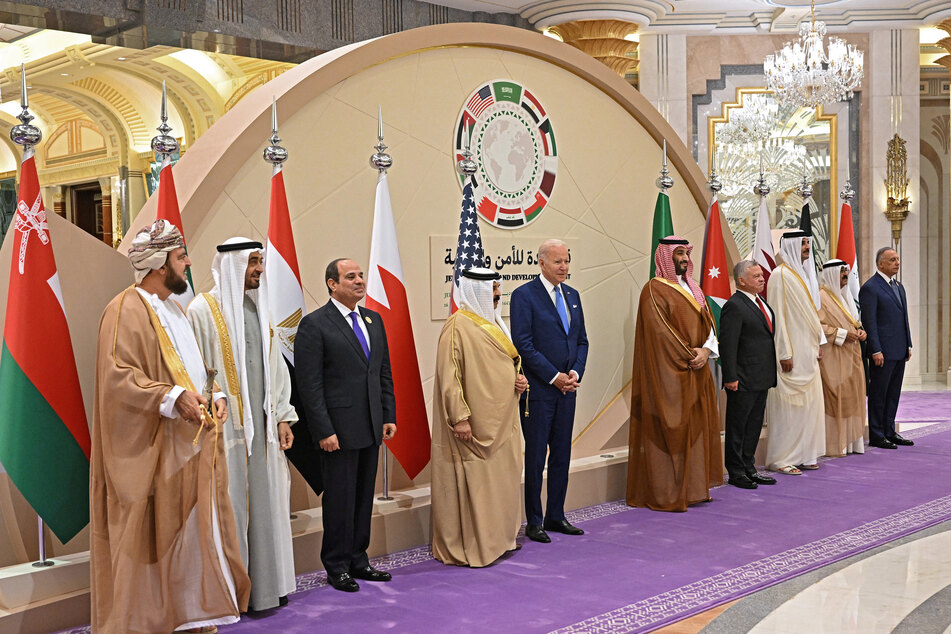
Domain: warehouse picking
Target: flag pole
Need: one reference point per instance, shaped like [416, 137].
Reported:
[28, 135]
[381, 161]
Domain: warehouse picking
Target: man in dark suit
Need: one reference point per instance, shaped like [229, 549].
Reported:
[548, 331]
[748, 361]
[346, 390]
[885, 317]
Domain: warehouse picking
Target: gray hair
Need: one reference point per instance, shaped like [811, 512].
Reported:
[741, 267]
[881, 254]
[547, 245]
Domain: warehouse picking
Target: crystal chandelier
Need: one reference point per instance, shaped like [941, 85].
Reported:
[751, 123]
[802, 75]
[776, 159]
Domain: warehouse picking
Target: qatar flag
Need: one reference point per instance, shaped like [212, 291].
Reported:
[285, 293]
[386, 294]
[168, 210]
[845, 249]
[763, 253]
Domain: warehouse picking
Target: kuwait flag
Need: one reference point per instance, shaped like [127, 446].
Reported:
[845, 249]
[386, 294]
[44, 436]
[715, 280]
[663, 225]
[168, 210]
[763, 253]
[285, 294]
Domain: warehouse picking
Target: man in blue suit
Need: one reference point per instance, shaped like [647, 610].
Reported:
[885, 316]
[548, 331]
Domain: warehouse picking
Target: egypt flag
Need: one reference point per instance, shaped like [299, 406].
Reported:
[663, 225]
[44, 436]
[285, 294]
[386, 294]
[715, 280]
[763, 253]
[168, 210]
[845, 250]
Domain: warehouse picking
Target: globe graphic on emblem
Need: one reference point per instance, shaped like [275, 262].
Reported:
[508, 153]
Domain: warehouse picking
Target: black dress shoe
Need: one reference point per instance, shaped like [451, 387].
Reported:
[761, 479]
[343, 582]
[883, 444]
[282, 601]
[563, 527]
[535, 533]
[369, 573]
[898, 440]
[742, 482]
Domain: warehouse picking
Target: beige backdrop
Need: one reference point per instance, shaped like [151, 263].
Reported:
[608, 138]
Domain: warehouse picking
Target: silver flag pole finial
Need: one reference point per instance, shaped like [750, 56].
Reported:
[275, 154]
[664, 181]
[714, 183]
[25, 133]
[466, 167]
[380, 160]
[761, 188]
[163, 144]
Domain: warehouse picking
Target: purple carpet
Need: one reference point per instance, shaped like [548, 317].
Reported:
[636, 569]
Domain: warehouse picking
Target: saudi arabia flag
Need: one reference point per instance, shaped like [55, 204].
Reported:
[44, 437]
[715, 279]
[663, 225]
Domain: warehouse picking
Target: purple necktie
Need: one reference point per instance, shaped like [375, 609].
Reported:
[358, 331]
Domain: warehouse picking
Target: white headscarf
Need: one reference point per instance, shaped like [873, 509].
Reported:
[476, 297]
[830, 277]
[790, 254]
[228, 270]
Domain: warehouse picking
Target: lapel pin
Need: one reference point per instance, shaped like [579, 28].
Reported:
[368, 320]
[574, 305]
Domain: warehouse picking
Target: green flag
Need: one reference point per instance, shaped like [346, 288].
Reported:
[663, 225]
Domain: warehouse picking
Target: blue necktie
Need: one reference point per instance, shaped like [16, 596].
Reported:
[894, 284]
[560, 307]
[354, 317]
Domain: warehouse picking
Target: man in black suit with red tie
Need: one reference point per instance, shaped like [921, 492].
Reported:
[748, 361]
[345, 387]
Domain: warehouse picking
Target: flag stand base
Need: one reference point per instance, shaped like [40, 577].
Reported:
[42, 564]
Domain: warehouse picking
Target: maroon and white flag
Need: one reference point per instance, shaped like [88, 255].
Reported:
[763, 253]
[386, 294]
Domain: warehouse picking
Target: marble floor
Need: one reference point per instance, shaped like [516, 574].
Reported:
[901, 587]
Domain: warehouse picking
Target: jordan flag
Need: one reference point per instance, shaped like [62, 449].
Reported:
[763, 253]
[168, 210]
[845, 250]
[386, 294]
[715, 279]
[44, 436]
[285, 293]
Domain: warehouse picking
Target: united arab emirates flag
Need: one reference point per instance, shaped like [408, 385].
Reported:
[44, 437]
[663, 225]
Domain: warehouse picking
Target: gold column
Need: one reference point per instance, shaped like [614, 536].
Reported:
[603, 40]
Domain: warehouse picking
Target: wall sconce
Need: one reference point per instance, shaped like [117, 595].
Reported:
[896, 186]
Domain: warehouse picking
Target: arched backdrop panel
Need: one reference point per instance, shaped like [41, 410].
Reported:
[609, 146]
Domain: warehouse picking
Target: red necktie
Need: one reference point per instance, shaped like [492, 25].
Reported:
[769, 322]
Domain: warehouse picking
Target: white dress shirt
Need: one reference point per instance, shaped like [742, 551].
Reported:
[551, 295]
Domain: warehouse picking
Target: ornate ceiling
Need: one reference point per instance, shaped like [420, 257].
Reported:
[108, 98]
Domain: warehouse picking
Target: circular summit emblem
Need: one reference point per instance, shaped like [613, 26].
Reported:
[512, 142]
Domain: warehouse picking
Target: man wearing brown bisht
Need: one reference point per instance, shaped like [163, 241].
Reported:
[164, 552]
[675, 455]
[476, 446]
[843, 377]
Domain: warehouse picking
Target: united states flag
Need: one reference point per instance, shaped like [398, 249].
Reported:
[469, 252]
[480, 101]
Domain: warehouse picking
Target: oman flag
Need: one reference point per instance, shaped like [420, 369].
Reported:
[845, 249]
[285, 294]
[763, 253]
[386, 294]
[44, 437]
[168, 210]
[715, 279]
